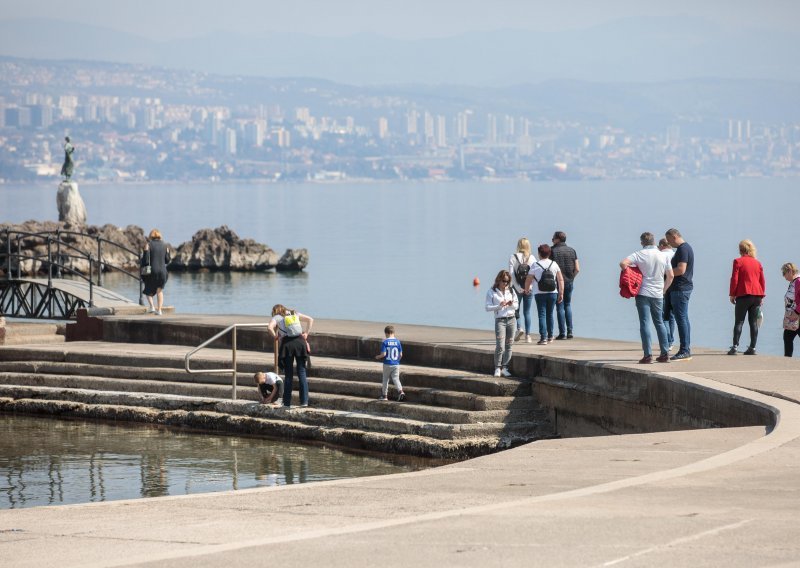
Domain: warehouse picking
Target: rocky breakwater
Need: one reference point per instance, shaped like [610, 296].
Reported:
[219, 249]
[222, 249]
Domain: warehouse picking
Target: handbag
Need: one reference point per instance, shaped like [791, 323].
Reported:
[147, 269]
[791, 320]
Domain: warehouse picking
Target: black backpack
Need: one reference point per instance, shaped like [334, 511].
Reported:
[521, 272]
[547, 282]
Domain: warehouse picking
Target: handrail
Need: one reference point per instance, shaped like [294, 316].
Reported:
[55, 237]
[232, 370]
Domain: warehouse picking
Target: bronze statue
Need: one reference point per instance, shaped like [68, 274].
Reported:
[69, 165]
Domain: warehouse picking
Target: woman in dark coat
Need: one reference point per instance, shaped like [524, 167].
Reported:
[156, 256]
[287, 325]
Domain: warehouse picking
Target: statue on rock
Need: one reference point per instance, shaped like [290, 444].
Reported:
[71, 209]
[69, 165]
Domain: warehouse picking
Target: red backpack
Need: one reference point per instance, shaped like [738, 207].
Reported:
[630, 280]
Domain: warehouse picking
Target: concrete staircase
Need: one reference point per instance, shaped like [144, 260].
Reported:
[448, 413]
[18, 333]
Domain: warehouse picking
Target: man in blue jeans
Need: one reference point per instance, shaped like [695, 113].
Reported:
[656, 277]
[567, 260]
[681, 290]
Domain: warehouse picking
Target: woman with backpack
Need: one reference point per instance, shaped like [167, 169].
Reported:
[519, 265]
[287, 325]
[547, 285]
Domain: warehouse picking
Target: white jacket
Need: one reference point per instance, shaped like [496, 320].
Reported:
[495, 297]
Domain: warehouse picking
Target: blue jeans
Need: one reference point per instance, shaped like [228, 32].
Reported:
[545, 302]
[525, 301]
[680, 307]
[650, 309]
[564, 309]
[289, 378]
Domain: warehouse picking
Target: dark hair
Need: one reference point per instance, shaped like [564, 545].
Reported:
[647, 239]
[502, 275]
[389, 329]
[663, 243]
[561, 236]
[544, 250]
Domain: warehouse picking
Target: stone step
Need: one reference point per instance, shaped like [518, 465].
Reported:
[30, 339]
[328, 367]
[365, 388]
[318, 398]
[320, 417]
[26, 328]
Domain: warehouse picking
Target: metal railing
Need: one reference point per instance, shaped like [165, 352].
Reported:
[57, 260]
[234, 373]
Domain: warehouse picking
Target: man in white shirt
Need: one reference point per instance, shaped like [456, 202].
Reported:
[656, 278]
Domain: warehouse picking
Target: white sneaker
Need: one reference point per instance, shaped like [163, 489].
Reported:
[151, 310]
[528, 339]
[159, 313]
[520, 334]
[497, 372]
[505, 372]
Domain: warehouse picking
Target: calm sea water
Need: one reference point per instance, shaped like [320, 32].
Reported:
[407, 253]
[57, 462]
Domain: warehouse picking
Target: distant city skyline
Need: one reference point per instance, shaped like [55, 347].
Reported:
[413, 19]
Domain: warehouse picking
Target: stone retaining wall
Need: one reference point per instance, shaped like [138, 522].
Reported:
[584, 398]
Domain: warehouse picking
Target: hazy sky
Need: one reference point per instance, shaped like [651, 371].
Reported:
[167, 19]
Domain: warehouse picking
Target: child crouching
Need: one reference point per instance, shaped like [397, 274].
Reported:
[270, 387]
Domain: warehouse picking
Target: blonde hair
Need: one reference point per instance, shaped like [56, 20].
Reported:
[747, 248]
[789, 267]
[155, 235]
[524, 246]
[258, 375]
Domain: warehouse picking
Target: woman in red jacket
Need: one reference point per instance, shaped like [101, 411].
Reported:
[747, 294]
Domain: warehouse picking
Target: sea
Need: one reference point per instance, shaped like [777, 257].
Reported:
[408, 252]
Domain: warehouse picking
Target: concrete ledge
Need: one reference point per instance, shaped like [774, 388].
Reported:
[586, 397]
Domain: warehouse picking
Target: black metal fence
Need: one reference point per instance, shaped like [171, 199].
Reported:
[26, 299]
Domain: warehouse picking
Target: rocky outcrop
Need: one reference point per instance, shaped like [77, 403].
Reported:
[222, 249]
[219, 249]
[71, 209]
[293, 260]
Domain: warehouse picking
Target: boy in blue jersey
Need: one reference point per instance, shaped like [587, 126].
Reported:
[391, 353]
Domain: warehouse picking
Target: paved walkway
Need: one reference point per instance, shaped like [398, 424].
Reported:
[703, 498]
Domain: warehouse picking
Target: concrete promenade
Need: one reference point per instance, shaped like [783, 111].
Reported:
[714, 497]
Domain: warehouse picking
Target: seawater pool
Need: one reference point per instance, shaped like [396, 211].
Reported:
[45, 461]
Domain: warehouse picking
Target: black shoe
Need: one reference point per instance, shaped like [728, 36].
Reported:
[750, 351]
[560, 337]
[681, 356]
[732, 350]
[569, 335]
[401, 397]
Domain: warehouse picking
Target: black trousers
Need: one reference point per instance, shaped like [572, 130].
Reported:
[788, 341]
[746, 305]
